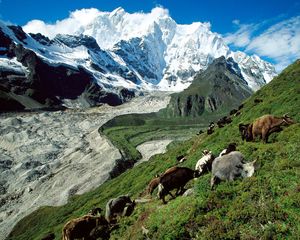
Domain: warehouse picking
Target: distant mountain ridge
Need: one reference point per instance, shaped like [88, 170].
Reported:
[169, 54]
[118, 51]
[218, 89]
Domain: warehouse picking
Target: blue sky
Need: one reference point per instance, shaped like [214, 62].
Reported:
[266, 28]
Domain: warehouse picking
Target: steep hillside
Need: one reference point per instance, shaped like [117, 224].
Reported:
[265, 206]
[213, 93]
[218, 89]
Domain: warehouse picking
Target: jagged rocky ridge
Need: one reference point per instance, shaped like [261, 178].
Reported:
[117, 55]
[29, 81]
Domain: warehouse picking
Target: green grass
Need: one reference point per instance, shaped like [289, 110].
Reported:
[126, 132]
[265, 206]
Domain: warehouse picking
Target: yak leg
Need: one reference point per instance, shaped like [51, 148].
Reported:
[163, 199]
[171, 194]
[264, 135]
[214, 181]
[181, 190]
[272, 130]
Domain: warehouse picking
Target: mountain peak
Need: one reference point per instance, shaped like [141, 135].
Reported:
[220, 87]
[118, 10]
[141, 51]
[117, 14]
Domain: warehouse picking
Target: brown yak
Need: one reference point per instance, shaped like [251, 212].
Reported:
[155, 181]
[152, 185]
[175, 179]
[85, 227]
[268, 124]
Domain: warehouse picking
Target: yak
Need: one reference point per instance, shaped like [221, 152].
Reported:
[175, 179]
[230, 167]
[267, 124]
[263, 126]
[85, 227]
[155, 181]
[203, 165]
[120, 206]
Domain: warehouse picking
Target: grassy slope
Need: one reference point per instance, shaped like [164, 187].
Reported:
[266, 205]
[128, 131]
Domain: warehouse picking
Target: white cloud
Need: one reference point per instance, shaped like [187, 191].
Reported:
[279, 42]
[242, 36]
[69, 25]
[108, 28]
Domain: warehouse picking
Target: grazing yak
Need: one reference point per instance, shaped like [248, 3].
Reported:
[155, 181]
[230, 167]
[262, 127]
[231, 147]
[200, 132]
[258, 100]
[175, 179]
[180, 159]
[267, 124]
[210, 128]
[223, 121]
[120, 206]
[203, 165]
[86, 227]
[233, 111]
[95, 211]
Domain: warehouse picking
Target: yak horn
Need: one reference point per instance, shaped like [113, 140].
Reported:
[255, 163]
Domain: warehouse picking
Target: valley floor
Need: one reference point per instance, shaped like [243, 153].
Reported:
[46, 157]
[151, 148]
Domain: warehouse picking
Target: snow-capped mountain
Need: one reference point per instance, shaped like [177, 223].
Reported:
[138, 51]
[165, 53]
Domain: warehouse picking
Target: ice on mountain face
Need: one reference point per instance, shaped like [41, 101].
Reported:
[144, 55]
[12, 65]
[149, 50]
[254, 70]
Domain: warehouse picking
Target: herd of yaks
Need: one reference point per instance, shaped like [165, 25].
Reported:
[228, 166]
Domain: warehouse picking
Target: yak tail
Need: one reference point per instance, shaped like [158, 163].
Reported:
[108, 212]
